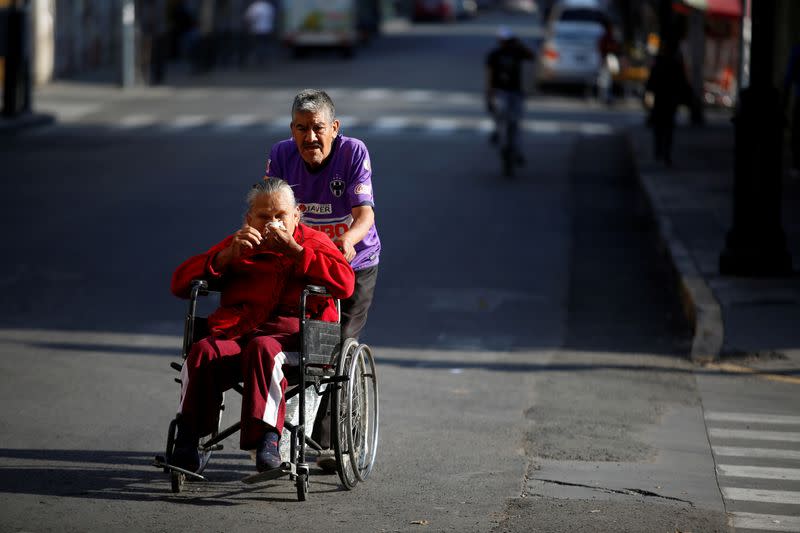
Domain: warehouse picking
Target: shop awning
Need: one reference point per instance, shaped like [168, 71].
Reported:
[719, 8]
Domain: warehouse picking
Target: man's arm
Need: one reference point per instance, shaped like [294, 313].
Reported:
[363, 219]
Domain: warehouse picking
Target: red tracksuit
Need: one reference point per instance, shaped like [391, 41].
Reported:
[254, 329]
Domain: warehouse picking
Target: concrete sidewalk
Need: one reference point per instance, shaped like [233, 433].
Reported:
[741, 324]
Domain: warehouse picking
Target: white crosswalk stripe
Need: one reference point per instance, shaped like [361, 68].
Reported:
[759, 472]
[754, 434]
[752, 418]
[765, 522]
[761, 477]
[147, 123]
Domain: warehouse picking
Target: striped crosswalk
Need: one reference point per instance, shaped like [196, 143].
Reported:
[758, 467]
[148, 124]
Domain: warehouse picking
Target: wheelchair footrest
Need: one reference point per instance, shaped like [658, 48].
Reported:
[285, 469]
[159, 463]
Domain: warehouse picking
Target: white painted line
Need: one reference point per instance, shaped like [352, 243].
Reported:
[759, 453]
[348, 121]
[281, 123]
[136, 121]
[441, 125]
[460, 99]
[595, 129]
[759, 472]
[184, 122]
[761, 495]
[754, 434]
[541, 126]
[373, 94]
[417, 96]
[765, 522]
[67, 111]
[752, 418]
[391, 123]
[237, 121]
[486, 125]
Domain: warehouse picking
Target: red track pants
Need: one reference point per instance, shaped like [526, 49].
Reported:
[215, 365]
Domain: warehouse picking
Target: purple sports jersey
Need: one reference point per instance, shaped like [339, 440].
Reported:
[327, 197]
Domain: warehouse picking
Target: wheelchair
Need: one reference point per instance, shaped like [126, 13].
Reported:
[342, 370]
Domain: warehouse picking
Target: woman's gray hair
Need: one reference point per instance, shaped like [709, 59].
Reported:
[314, 101]
[268, 186]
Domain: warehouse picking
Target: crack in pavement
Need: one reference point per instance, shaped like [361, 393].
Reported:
[625, 491]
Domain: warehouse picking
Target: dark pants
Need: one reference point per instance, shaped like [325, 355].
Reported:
[354, 317]
[663, 128]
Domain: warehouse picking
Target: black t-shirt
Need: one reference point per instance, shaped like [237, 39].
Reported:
[505, 63]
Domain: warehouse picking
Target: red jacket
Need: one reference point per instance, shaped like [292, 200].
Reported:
[265, 285]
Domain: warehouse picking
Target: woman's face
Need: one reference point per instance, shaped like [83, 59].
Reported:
[275, 207]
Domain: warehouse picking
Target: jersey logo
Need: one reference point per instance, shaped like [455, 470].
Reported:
[363, 188]
[316, 209]
[337, 187]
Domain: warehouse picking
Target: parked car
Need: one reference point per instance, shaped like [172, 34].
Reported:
[569, 54]
[436, 10]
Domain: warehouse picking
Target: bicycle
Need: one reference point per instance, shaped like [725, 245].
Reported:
[507, 125]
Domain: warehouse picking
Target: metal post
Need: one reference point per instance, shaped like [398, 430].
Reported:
[128, 34]
[756, 243]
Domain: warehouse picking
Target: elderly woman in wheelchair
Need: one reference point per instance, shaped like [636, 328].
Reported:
[262, 272]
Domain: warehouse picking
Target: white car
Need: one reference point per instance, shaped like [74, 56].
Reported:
[569, 54]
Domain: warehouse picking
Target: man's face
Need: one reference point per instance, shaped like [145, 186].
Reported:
[313, 134]
[272, 208]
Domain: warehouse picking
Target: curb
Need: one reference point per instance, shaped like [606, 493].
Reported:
[11, 126]
[701, 308]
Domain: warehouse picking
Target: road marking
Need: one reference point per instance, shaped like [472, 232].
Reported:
[185, 122]
[391, 123]
[349, 121]
[595, 129]
[373, 94]
[758, 453]
[418, 96]
[716, 416]
[136, 121]
[441, 125]
[280, 123]
[754, 434]
[237, 121]
[541, 126]
[765, 522]
[761, 495]
[485, 125]
[759, 472]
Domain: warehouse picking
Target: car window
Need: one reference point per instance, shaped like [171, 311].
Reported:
[583, 15]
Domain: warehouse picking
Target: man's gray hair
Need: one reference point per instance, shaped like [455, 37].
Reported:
[268, 186]
[314, 101]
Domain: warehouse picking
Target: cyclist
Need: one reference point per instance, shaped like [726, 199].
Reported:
[504, 97]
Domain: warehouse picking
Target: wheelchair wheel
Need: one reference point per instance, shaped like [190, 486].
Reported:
[355, 427]
[177, 480]
[302, 486]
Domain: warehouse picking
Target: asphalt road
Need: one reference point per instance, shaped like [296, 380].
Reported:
[523, 328]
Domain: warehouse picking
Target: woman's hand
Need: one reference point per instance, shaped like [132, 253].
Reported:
[278, 239]
[244, 242]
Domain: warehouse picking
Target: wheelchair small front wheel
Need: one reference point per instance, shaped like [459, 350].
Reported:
[177, 480]
[302, 486]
